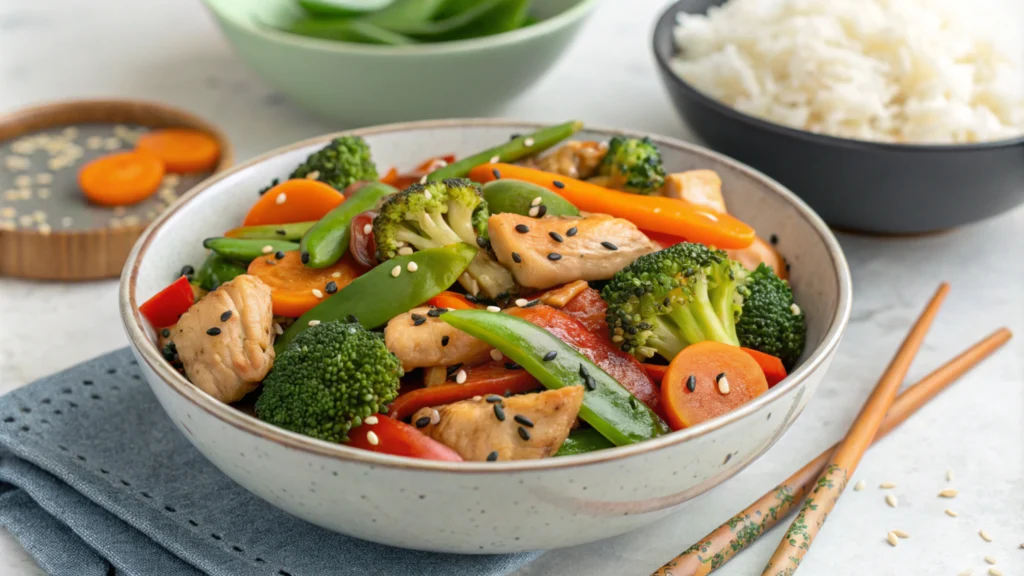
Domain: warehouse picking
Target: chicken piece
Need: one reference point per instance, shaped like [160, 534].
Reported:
[600, 247]
[760, 252]
[474, 429]
[431, 342]
[701, 187]
[225, 341]
[575, 159]
[559, 297]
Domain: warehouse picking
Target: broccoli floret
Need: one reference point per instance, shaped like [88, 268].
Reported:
[633, 165]
[667, 300]
[344, 161]
[328, 380]
[770, 321]
[437, 214]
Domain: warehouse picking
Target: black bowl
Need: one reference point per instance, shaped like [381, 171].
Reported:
[853, 184]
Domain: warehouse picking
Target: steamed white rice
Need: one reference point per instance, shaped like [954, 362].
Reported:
[886, 70]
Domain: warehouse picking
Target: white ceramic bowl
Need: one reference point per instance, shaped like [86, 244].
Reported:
[483, 507]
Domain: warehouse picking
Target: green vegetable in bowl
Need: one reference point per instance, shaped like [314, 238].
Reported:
[342, 8]
[328, 381]
[344, 161]
[515, 149]
[632, 165]
[771, 322]
[582, 441]
[216, 270]
[246, 250]
[519, 197]
[327, 241]
[293, 231]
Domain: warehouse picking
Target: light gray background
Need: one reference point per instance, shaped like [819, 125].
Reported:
[170, 50]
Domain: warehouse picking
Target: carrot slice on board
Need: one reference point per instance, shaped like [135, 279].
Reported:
[772, 367]
[724, 378]
[292, 284]
[181, 149]
[296, 200]
[121, 179]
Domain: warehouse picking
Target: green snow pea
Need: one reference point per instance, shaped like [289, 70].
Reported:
[511, 151]
[380, 295]
[216, 270]
[583, 440]
[247, 249]
[327, 241]
[516, 196]
[607, 406]
[292, 231]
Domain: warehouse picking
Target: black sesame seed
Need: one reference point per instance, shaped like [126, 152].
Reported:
[666, 301]
[492, 456]
[499, 412]
[554, 256]
[523, 420]
[691, 383]
[497, 175]
[584, 372]
[556, 236]
[508, 393]
[187, 270]
[444, 340]
[517, 258]
[453, 369]
[422, 422]
[558, 184]
[281, 232]
[213, 331]
[417, 319]
[787, 266]
[279, 254]
[609, 245]
[165, 332]
[304, 257]
[524, 433]
[571, 231]
[773, 239]
[435, 312]
[632, 402]
[512, 366]
[492, 398]
[472, 298]
[541, 211]
[481, 241]
[550, 356]
[331, 287]
[590, 383]
[514, 136]
[531, 303]
[224, 317]
[522, 228]
[719, 376]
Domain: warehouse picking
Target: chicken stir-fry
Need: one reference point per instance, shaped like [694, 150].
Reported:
[576, 159]
[225, 341]
[546, 252]
[701, 187]
[495, 428]
[420, 339]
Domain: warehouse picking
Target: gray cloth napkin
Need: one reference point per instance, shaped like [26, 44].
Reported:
[95, 480]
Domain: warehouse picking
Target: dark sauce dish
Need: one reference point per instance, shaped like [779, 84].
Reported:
[856, 185]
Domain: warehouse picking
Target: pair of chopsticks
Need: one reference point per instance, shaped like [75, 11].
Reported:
[822, 480]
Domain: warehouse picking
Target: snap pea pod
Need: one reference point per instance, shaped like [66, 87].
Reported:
[351, 30]
[247, 249]
[582, 441]
[607, 405]
[457, 25]
[407, 11]
[343, 8]
[380, 295]
[511, 151]
[327, 241]
[517, 197]
[292, 231]
[217, 270]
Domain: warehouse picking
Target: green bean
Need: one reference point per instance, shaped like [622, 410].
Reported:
[292, 231]
[217, 270]
[511, 151]
[247, 249]
[327, 241]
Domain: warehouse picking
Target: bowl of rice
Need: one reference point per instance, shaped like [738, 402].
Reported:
[886, 116]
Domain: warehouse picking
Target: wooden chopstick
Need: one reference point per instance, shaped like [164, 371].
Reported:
[843, 461]
[742, 530]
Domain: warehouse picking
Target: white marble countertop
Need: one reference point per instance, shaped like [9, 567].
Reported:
[171, 51]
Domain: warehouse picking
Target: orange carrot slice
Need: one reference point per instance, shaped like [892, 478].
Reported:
[121, 179]
[772, 367]
[296, 200]
[294, 288]
[724, 378]
[181, 149]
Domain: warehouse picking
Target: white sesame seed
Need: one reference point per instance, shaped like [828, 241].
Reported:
[496, 355]
[536, 201]
[371, 420]
[477, 398]
[335, 274]
[460, 377]
[534, 211]
[435, 416]
[371, 437]
[901, 534]
[859, 485]
[493, 309]
[522, 302]
[990, 560]
[528, 142]
[891, 500]
[948, 493]
[314, 323]
[23, 181]
[984, 535]
[412, 267]
[396, 271]
[950, 512]
[404, 251]
[8, 212]
[494, 159]
[43, 193]
[44, 178]
[367, 228]
[949, 475]
[278, 329]
[17, 162]
[39, 216]
[440, 162]
[318, 293]
[112, 143]
[267, 249]
[45, 229]
[423, 180]
[887, 485]
[281, 198]
[313, 175]
[965, 573]
[794, 309]
[723, 385]
[995, 572]
[93, 142]
[893, 540]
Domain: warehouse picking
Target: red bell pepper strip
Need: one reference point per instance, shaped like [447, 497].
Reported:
[588, 307]
[164, 309]
[619, 365]
[399, 439]
[452, 301]
[772, 367]
[402, 181]
[490, 378]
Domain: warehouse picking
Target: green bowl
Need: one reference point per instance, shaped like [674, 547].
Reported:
[360, 84]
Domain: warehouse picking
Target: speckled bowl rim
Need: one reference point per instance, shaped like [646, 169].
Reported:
[548, 26]
[664, 26]
[134, 326]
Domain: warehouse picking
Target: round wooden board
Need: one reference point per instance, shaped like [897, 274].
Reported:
[98, 251]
